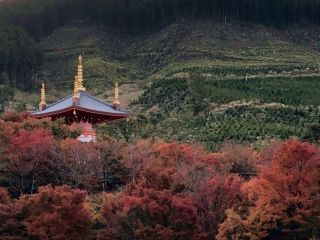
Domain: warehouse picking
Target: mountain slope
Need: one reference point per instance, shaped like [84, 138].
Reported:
[198, 81]
[174, 48]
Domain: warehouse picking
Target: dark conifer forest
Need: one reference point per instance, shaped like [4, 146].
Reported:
[39, 17]
[23, 22]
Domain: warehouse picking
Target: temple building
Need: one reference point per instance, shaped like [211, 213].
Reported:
[81, 107]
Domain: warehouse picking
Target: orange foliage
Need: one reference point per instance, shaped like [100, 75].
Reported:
[4, 196]
[58, 213]
[79, 165]
[137, 155]
[150, 210]
[177, 191]
[283, 198]
[29, 154]
[239, 159]
[190, 164]
[164, 201]
[13, 117]
[214, 197]
[11, 216]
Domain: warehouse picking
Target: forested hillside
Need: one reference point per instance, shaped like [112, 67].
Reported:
[54, 187]
[241, 70]
[39, 18]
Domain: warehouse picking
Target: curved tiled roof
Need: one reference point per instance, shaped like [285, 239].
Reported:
[87, 102]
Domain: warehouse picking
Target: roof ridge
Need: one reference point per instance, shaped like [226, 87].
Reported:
[100, 101]
[89, 95]
[55, 103]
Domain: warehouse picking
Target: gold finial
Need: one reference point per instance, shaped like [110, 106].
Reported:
[80, 59]
[43, 94]
[80, 75]
[116, 95]
[42, 103]
[76, 88]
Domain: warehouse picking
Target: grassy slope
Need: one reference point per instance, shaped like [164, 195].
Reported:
[63, 47]
[198, 53]
[110, 56]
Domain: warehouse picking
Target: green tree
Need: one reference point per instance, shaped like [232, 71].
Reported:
[312, 133]
[6, 93]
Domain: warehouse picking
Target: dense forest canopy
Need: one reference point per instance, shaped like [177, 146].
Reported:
[54, 187]
[19, 57]
[39, 17]
[22, 21]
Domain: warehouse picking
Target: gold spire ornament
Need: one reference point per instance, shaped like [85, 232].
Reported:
[116, 102]
[80, 59]
[80, 75]
[76, 94]
[42, 104]
[43, 94]
[76, 88]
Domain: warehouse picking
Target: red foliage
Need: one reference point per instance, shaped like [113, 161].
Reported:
[283, 198]
[144, 212]
[239, 159]
[4, 196]
[178, 191]
[214, 197]
[79, 166]
[137, 156]
[30, 143]
[13, 117]
[11, 216]
[190, 164]
[54, 213]
[161, 203]
[58, 214]
[29, 152]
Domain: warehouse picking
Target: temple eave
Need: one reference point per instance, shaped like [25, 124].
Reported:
[78, 114]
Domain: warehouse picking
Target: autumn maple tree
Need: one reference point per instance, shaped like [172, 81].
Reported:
[137, 155]
[283, 202]
[4, 196]
[214, 197]
[12, 213]
[149, 209]
[114, 173]
[79, 165]
[58, 213]
[178, 194]
[29, 154]
[239, 159]
[151, 190]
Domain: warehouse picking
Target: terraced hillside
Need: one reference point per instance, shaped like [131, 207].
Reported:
[214, 111]
[202, 48]
[198, 81]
